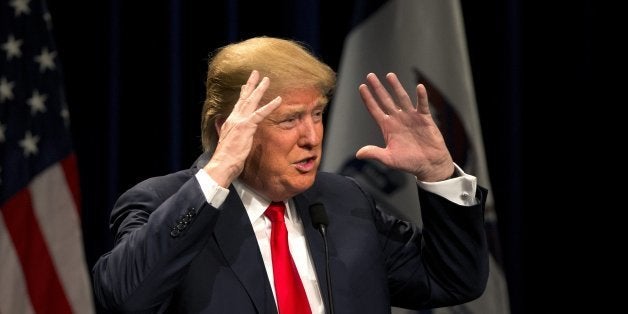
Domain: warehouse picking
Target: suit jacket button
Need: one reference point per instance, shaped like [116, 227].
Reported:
[175, 233]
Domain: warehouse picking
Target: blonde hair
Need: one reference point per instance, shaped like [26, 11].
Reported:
[288, 65]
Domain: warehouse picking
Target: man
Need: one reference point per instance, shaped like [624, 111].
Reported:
[205, 240]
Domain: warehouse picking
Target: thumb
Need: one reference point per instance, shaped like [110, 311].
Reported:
[369, 152]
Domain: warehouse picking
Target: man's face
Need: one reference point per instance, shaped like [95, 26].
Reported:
[286, 149]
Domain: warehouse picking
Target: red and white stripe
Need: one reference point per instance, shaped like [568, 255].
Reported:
[42, 264]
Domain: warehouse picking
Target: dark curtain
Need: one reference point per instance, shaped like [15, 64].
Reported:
[134, 77]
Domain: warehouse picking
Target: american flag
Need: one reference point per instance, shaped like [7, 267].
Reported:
[42, 263]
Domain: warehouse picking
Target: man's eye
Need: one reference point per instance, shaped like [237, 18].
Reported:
[288, 122]
[317, 115]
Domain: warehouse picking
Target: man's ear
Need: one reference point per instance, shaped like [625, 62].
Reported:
[218, 122]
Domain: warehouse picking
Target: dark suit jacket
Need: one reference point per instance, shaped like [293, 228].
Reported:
[176, 253]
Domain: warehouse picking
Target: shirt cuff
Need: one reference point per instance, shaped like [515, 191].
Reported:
[214, 193]
[460, 190]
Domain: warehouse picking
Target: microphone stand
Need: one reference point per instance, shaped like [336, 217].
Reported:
[320, 221]
[322, 230]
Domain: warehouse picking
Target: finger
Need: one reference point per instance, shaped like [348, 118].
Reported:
[370, 102]
[251, 82]
[263, 112]
[386, 102]
[250, 104]
[423, 105]
[246, 89]
[405, 103]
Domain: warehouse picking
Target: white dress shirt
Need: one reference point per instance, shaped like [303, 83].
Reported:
[255, 206]
[460, 190]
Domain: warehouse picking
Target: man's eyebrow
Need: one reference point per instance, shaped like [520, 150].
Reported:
[293, 109]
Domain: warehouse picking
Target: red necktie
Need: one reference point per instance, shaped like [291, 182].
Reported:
[291, 298]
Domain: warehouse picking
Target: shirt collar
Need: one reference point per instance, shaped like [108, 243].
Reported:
[256, 204]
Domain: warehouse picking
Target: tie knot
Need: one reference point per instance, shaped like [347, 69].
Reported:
[275, 211]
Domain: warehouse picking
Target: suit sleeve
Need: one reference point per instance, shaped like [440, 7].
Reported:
[443, 264]
[159, 228]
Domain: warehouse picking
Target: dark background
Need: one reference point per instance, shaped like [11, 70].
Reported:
[134, 77]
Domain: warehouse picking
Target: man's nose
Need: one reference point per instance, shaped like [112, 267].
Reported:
[310, 136]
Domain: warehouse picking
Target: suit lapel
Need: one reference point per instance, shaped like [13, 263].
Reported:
[236, 239]
[314, 241]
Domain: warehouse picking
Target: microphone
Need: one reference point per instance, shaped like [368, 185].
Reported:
[320, 222]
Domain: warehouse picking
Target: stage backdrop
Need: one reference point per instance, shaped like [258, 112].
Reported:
[134, 74]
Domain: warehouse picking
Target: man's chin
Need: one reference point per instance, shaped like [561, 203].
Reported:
[287, 188]
[300, 185]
